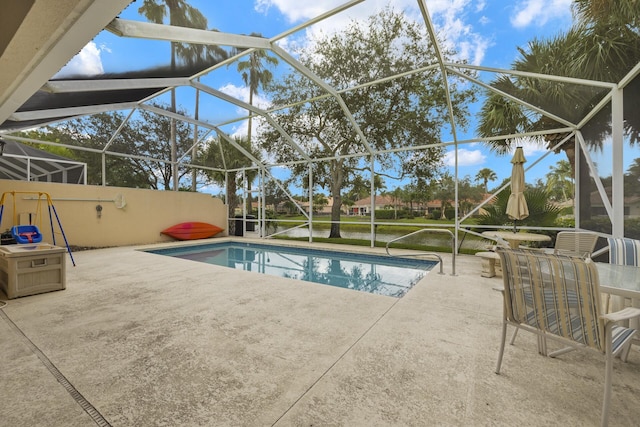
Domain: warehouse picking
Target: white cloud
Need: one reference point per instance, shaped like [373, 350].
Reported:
[465, 157]
[86, 63]
[539, 12]
[473, 50]
[242, 93]
[296, 10]
[530, 146]
[238, 92]
[212, 189]
[448, 16]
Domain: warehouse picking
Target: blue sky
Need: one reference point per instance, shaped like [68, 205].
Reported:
[484, 32]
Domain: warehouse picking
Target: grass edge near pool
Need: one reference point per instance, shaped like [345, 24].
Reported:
[361, 242]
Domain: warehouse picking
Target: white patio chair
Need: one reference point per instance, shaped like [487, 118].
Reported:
[581, 243]
[622, 251]
[558, 297]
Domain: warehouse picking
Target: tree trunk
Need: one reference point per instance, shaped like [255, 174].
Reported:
[585, 190]
[584, 179]
[174, 149]
[337, 176]
[232, 201]
[395, 208]
[336, 210]
[194, 152]
[570, 151]
[249, 198]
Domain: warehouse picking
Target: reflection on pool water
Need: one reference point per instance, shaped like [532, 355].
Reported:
[375, 274]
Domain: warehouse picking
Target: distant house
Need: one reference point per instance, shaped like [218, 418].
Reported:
[382, 202]
[385, 202]
[324, 210]
[631, 205]
[286, 206]
[363, 206]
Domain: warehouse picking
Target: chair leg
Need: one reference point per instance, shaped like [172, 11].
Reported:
[624, 354]
[502, 342]
[513, 337]
[542, 345]
[561, 351]
[608, 374]
[542, 342]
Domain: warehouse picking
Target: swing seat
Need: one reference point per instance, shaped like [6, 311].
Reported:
[26, 234]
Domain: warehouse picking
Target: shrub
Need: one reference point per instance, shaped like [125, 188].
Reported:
[632, 228]
[541, 211]
[598, 224]
[384, 214]
[603, 225]
[566, 222]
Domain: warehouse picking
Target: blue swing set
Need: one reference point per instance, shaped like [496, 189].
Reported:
[31, 233]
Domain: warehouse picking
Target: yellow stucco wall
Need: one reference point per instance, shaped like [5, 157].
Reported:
[146, 213]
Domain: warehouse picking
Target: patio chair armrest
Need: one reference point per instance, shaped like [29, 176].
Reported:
[624, 314]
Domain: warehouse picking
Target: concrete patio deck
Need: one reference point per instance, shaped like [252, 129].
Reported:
[158, 341]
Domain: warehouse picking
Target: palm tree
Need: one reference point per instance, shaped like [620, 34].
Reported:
[620, 13]
[469, 194]
[500, 116]
[632, 179]
[255, 75]
[541, 212]
[398, 194]
[560, 180]
[180, 14]
[444, 190]
[223, 155]
[597, 47]
[485, 175]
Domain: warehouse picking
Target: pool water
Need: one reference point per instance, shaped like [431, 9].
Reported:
[375, 274]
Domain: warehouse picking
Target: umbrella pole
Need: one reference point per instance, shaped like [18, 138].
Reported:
[515, 230]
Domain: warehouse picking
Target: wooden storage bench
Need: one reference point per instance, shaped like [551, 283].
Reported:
[31, 269]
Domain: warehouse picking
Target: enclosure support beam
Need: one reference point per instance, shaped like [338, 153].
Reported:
[172, 33]
[617, 134]
[373, 202]
[310, 203]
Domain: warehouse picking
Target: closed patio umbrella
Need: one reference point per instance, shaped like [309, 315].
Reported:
[517, 208]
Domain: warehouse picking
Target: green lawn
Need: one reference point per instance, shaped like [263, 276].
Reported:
[349, 224]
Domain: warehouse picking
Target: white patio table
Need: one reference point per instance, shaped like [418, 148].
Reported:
[621, 280]
[514, 239]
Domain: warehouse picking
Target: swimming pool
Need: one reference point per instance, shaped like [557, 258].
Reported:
[375, 274]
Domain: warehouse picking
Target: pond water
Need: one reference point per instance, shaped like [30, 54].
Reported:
[431, 239]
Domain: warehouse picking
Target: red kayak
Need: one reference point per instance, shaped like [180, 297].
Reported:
[192, 230]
